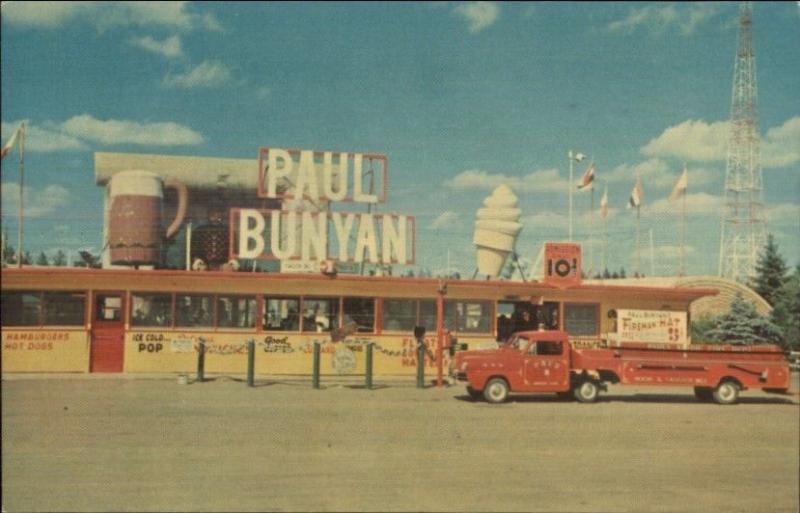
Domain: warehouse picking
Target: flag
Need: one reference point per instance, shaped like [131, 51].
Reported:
[637, 194]
[604, 203]
[680, 185]
[587, 178]
[579, 157]
[11, 142]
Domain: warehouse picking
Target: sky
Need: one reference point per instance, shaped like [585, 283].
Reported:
[461, 96]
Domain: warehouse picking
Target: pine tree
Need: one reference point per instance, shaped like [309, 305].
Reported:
[60, 259]
[770, 271]
[606, 274]
[622, 272]
[744, 325]
[786, 313]
[42, 259]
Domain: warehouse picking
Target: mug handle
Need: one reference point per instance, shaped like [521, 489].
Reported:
[183, 201]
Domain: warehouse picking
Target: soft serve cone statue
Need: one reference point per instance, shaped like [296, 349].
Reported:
[496, 230]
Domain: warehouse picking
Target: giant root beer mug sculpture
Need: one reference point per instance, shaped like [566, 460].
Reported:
[134, 219]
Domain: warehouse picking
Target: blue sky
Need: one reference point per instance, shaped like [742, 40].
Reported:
[461, 96]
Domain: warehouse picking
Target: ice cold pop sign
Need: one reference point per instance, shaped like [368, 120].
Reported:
[305, 233]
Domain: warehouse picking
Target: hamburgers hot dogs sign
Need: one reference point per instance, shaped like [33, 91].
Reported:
[311, 186]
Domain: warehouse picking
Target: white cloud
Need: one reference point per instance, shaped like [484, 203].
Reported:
[659, 18]
[207, 74]
[444, 220]
[545, 219]
[699, 203]
[784, 213]
[545, 180]
[705, 142]
[42, 139]
[780, 147]
[105, 15]
[74, 134]
[691, 140]
[115, 131]
[37, 203]
[170, 47]
[478, 15]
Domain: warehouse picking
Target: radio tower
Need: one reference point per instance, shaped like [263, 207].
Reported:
[743, 221]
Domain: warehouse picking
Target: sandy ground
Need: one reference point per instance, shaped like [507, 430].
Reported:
[85, 444]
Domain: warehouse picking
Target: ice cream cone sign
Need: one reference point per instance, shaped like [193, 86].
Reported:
[496, 230]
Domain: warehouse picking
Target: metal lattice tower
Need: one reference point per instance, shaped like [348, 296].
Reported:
[743, 220]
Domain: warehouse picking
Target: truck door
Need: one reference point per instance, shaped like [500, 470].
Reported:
[546, 367]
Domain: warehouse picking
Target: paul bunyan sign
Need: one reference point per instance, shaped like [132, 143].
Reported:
[652, 326]
[313, 179]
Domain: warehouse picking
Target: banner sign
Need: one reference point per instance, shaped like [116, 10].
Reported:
[653, 326]
[562, 264]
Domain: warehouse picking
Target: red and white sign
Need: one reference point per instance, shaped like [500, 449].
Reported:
[562, 264]
[652, 326]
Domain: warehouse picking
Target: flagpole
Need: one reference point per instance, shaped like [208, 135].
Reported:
[591, 233]
[20, 253]
[683, 228]
[638, 259]
[569, 187]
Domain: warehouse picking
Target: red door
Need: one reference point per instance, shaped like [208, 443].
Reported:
[108, 332]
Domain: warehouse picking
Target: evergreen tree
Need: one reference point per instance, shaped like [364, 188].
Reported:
[622, 272]
[786, 313]
[743, 324]
[770, 271]
[9, 254]
[27, 258]
[606, 274]
[42, 259]
[60, 259]
[700, 328]
[615, 276]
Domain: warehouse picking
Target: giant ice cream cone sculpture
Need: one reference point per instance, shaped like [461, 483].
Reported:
[496, 230]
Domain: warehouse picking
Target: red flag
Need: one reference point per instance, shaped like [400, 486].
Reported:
[588, 178]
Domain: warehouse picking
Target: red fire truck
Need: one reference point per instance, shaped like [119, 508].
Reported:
[546, 362]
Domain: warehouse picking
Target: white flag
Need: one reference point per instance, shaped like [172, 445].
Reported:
[680, 185]
[637, 194]
[604, 203]
[11, 142]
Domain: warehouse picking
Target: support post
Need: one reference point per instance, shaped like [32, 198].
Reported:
[315, 371]
[251, 361]
[421, 363]
[368, 378]
[439, 339]
[201, 359]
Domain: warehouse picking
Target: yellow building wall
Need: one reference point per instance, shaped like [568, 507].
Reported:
[45, 350]
[226, 353]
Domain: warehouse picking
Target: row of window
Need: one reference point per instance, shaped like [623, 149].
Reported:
[293, 314]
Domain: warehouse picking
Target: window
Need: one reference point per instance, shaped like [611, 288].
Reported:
[194, 311]
[108, 308]
[64, 308]
[21, 308]
[405, 314]
[580, 319]
[151, 310]
[43, 308]
[468, 316]
[236, 312]
[320, 314]
[281, 314]
[545, 348]
[360, 311]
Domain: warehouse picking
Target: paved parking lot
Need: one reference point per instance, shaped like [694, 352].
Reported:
[85, 444]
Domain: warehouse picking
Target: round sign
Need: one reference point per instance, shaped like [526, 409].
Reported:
[563, 268]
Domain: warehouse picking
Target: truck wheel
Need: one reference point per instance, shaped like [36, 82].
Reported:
[704, 394]
[496, 390]
[474, 394]
[726, 393]
[586, 391]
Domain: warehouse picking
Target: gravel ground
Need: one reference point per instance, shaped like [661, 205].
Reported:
[121, 444]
